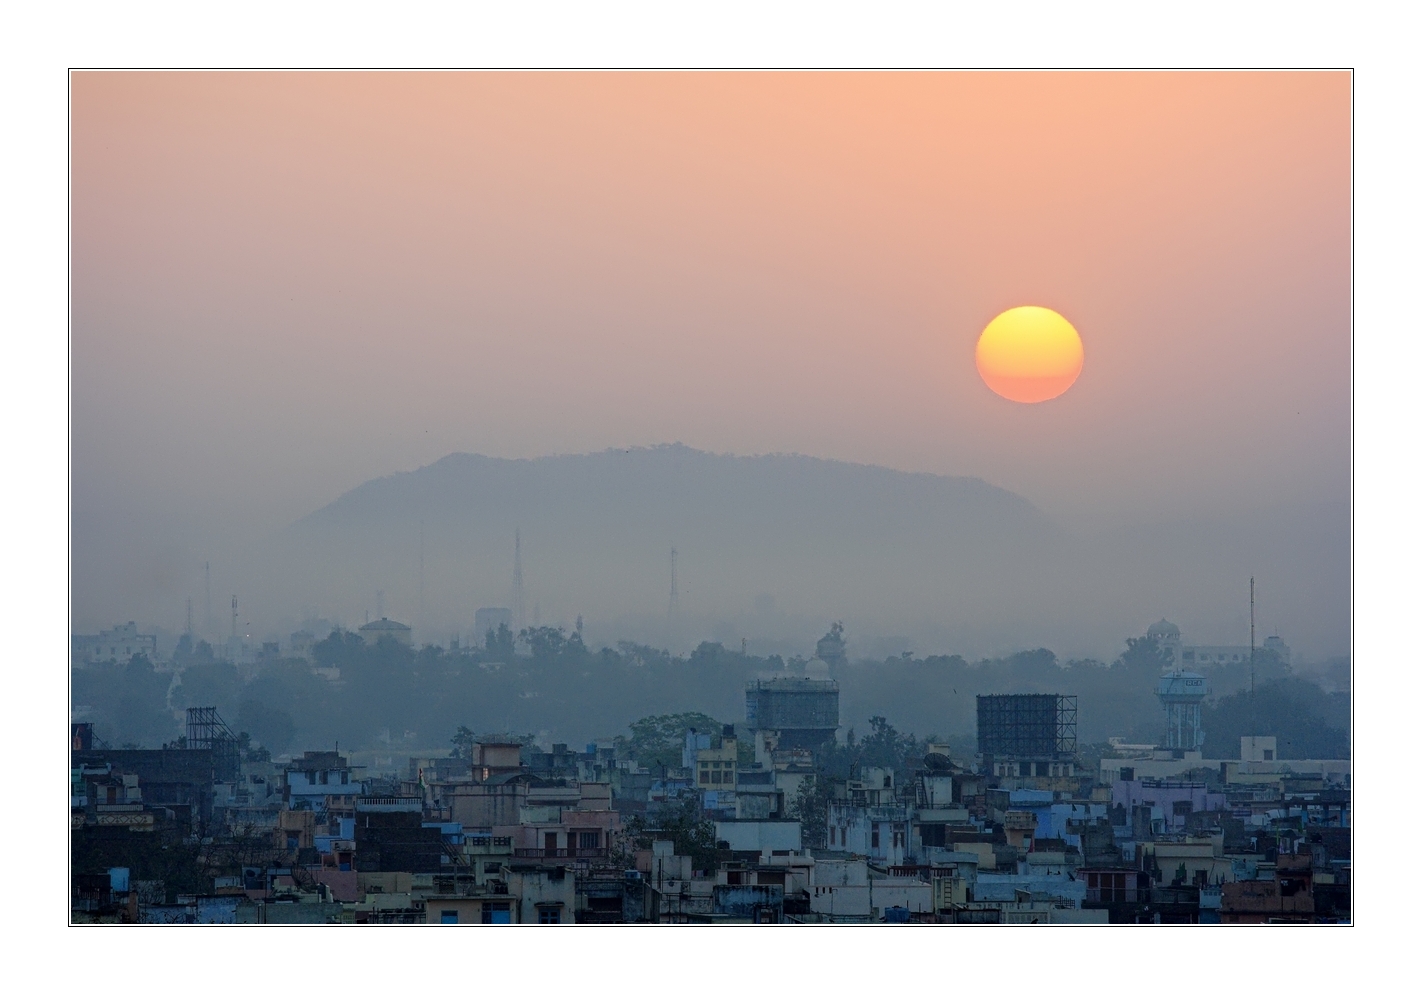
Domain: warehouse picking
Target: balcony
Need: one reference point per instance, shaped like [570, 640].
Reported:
[561, 853]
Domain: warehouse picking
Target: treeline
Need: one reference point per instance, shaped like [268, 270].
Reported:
[557, 687]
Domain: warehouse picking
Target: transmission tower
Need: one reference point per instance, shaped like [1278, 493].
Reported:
[1251, 637]
[518, 581]
[673, 602]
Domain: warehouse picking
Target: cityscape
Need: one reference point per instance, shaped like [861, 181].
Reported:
[710, 498]
[779, 816]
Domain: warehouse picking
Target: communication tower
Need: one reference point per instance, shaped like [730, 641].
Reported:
[518, 582]
[673, 602]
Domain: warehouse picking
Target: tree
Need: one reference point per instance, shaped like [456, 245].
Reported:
[499, 644]
[685, 825]
[811, 807]
[546, 642]
[463, 740]
[1295, 711]
[657, 740]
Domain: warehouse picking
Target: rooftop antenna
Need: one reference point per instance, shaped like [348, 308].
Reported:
[674, 601]
[420, 620]
[518, 580]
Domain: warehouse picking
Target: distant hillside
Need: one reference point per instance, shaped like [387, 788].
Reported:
[760, 533]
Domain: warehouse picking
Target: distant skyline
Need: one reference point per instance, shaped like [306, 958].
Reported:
[287, 284]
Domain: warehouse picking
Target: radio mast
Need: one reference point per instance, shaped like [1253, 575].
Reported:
[1251, 637]
[518, 582]
[673, 602]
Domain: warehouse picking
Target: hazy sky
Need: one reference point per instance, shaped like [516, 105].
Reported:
[286, 284]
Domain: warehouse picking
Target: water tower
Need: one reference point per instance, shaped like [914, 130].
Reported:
[1180, 693]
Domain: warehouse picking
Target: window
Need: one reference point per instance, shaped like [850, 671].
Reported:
[705, 776]
[874, 839]
[587, 841]
[449, 917]
[325, 777]
[1268, 754]
[549, 916]
[497, 912]
[491, 867]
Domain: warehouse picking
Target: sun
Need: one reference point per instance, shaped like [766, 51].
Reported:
[1029, 354]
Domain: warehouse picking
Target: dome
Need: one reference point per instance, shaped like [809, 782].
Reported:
[1164, 630]
[817, 670]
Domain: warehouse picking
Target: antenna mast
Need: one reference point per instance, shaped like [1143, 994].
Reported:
[420, 620]
[1251, 637]
[673, 602]
[518, 581]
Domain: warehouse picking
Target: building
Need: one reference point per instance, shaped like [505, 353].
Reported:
[318, 776]
[117, 645]
[1184, 655]
[373, 632]
[799, 712]
[1027, 735]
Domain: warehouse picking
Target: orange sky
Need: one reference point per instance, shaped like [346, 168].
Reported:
[285, 284]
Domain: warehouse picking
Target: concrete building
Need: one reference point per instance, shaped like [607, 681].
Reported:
[373, 632]
[119, 645]
[800, 712]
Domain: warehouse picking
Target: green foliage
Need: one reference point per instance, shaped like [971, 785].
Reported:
[545, 642]
[811, 807]
[129, 702]
[691, 833]
[885, 747]
[499, 644]
[273, 728]
[657, 740]
[1308, 722]
[578, 695]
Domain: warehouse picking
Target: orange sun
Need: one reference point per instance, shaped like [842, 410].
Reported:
[1029, 354]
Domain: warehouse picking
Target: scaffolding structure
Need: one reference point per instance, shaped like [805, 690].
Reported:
[207, 731]
[1027, 725]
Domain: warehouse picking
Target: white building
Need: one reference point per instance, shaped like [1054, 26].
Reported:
[119, 644]
[373, 632]
[1187, 655]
